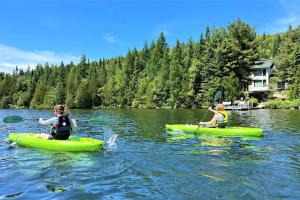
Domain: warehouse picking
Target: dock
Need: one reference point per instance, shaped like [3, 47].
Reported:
[241, 106]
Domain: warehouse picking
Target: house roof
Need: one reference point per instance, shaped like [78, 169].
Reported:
[262, 64]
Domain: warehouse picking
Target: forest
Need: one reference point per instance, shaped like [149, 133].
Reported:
[186, 75]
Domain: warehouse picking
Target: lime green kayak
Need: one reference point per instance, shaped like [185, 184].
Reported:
[227, 131]
[72, 144]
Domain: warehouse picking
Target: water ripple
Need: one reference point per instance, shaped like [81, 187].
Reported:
[149, 164]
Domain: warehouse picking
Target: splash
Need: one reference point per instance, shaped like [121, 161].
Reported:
[110, 139]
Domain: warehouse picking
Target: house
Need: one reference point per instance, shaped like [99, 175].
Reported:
[259, 84]
[260, 76]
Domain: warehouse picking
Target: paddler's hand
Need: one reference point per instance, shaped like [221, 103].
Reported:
[210, 109]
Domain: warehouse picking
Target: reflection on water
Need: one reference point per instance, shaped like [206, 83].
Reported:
[148, 163]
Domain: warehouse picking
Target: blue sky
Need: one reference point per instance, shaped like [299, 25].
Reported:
[39, 31]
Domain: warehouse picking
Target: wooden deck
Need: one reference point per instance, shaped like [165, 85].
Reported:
[241, 108]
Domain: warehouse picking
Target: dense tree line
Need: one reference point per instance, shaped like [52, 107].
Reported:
[186, 75]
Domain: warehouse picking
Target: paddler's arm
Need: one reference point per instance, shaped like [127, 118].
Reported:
[50, 121]
[212, 110]
[213, 120]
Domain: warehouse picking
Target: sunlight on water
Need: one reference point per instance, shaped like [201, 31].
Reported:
[141, 160]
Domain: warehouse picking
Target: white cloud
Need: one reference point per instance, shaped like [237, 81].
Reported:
[289, 20]
[10, 57]
[110, 38]
[292, 17]
[281, 25]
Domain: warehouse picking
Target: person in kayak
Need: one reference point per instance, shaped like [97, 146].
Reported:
[61, 124]
[219, 120]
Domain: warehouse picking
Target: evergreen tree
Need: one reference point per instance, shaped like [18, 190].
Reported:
[284, 71]
[157, 73]
[176, 76]
[83, 95]
[294, 91]
[231, 85]
[276, 45]
[71, 88]
[186, 75]
[245, 46]
[60, 93]
[38, 97]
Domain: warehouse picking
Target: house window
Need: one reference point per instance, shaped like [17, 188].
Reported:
[258, 83]
[264, 72]
[257, 72]
[264, 83]
[280, 86]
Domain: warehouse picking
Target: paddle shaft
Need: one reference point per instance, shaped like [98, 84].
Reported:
[204, 115]
[217, 96]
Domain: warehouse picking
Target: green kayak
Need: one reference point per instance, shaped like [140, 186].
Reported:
[72, 144]
[227, 131]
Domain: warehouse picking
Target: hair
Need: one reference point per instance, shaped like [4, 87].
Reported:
[63, 109]
[220, 107]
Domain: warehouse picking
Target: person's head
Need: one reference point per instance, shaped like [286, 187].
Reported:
[220, 107]
[60, 110]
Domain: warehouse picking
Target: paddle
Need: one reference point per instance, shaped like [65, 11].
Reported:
[17, 119]
[13, 119]
[217, 98]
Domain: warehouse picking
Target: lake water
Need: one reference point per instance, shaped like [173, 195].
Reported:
[147, 163]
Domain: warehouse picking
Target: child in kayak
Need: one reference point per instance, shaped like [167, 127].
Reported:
[219, 120]
[61, 124]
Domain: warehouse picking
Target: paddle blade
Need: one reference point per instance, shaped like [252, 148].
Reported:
[13, 119]
[218, 97]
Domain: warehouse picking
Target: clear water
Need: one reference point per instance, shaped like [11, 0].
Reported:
[147, 163]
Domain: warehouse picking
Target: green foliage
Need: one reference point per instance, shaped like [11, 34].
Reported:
[183, 76]
[282, 104]
[294, 91]
[39, 94]
[253, 101]
[244, 48]
[83, 97]
[295, 103]
[231, 83]
[274, 103]
[50, 99]
[266, 44]
[24, 100]
[5, 102]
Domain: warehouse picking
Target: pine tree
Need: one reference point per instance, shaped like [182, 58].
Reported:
[176, 76]
[294, 91]
[39, 94]
[83, 95]
[243, 38]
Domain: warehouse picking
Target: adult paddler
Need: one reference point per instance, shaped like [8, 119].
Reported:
[219, 119]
